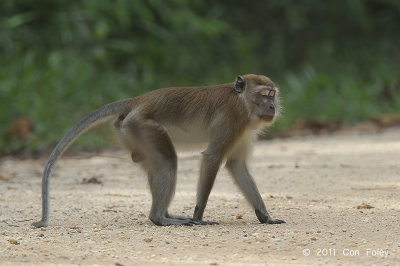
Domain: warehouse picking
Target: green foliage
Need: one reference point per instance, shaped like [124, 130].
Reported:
[62, 59]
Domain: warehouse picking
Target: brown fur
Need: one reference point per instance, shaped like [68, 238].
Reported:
[187, 103]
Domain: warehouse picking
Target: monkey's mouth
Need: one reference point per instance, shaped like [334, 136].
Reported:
[267, 118]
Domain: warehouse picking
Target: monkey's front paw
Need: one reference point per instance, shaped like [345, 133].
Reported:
[264, 218]
[39, 224]
[275, 221]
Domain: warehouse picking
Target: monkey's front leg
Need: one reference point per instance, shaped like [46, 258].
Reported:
[246, 183]
[208, 171]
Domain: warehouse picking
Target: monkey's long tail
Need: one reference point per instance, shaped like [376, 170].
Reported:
[107, 111]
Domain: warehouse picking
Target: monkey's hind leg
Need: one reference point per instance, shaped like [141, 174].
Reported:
[162, 182]
[156, 154]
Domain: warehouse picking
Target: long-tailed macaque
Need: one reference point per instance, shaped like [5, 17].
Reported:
[223, 117]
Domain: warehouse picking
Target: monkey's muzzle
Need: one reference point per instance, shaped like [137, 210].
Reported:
[268, 112]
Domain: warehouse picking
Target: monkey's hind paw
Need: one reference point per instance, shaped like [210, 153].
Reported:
[40, 224]
[191, 220]
[169, 221]
[177, 217]
[201, 222]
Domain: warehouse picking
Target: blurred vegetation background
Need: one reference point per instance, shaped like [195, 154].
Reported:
[334, 60]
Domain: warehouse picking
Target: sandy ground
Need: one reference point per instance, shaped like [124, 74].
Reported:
[314, 183]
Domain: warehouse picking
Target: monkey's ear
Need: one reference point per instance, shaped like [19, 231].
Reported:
[240, 84]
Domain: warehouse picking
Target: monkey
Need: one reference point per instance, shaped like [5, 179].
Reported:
[222, 118]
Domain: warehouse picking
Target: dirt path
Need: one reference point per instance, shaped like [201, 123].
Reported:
[314, 184]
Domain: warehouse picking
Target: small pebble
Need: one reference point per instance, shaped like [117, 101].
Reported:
[148, 240]
[365, 206]
[13, 241]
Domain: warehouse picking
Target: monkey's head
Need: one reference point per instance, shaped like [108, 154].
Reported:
[260, 95]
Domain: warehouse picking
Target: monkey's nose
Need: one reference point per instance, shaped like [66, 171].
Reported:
[271, 107]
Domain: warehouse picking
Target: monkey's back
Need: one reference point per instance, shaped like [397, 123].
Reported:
[189, 112]
[183, 104]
